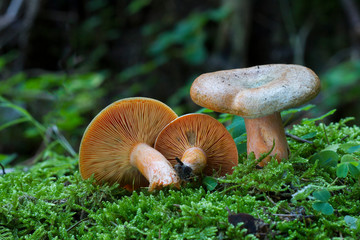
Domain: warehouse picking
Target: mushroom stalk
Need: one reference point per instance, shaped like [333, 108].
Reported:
[195, 158]
[262, 132]
[154, 166]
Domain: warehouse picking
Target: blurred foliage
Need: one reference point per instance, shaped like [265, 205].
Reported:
[57, 98]
[79, 56]
[45, 101]
[341, 87]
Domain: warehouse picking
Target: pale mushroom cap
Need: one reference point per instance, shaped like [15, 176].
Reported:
[256, 91]
[108, 140]
[202, 131]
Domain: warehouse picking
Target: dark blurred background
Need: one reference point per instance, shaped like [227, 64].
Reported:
[62, 61]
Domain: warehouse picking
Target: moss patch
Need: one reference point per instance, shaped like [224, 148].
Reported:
[51, 201]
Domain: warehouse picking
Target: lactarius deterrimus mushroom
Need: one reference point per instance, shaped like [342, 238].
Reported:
[258, 94]
[117, 146]
[201, 142]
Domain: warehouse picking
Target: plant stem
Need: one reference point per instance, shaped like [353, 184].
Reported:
[3, 169]
[326, 137]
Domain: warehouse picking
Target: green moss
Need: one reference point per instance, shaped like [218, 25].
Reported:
[51, 201]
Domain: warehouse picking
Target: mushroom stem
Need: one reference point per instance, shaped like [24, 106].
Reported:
[262, 133]
[153, 166]
[195, 158]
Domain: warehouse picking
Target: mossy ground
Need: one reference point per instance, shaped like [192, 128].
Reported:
[51, 201]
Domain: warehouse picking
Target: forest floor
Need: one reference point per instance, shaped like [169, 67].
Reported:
[313, 195]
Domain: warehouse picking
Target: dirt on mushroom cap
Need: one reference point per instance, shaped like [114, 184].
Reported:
[255, 91]
[107, 142]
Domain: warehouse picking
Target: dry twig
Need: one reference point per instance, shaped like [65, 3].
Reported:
[298, 138]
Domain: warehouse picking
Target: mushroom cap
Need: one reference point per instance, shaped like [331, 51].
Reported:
[256, 91]
[108, 140]
[202, 131]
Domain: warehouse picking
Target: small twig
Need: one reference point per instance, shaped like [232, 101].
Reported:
[230, 188]
[274, 203]
[342, 139]
[82, 213]
[179, 161]
[333, 182]
[326, 136]
[270, 199]
[40, 151]
[63, 141]
[286, 215]
[26, 197]
[3, 169]
[74, 225]
[298, 138]
[293, 215]
[228, 210]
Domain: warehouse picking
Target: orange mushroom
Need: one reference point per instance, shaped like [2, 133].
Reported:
[117, 145]
[258, 94]
[202, 143]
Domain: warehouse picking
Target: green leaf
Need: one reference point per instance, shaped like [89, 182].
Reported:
[224, 117]
[332, 147]
[204, 110]
[348, 158]
[138, 70]
[309, 135]
[348, 72]
[240, 139]
[302, 193]
[6, 159]
[307, 121]
[13, 122]
[348, 163]
[323, 207]
[241, 143]
[195, 51]
[210, 183]
[326, 158]
[237, 127]
[26, 115]
[322, 195]
[219, 14]
[353, 149]
[242, 148]
[354, 171]
[350, 147]
[351, 221]
[295, 110]
[342, 170]
[136, 5]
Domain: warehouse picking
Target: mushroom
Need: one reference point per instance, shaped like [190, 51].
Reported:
[202, 143]
[117, 145]
[258, 94]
